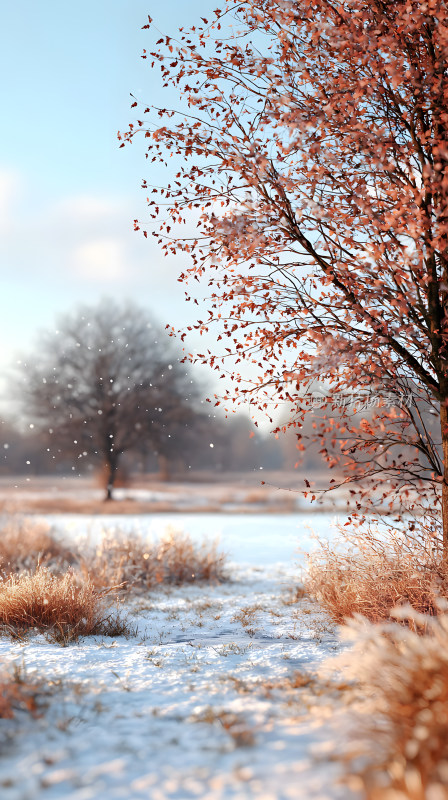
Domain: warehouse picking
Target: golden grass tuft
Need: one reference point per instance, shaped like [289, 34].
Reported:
[26, 542]
[121, 560]
[403, 727]
[128, 559]
[363, 573]
[58, 606]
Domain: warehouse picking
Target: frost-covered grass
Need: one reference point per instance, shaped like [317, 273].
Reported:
[57, 605]
[24, 542]
[137, 563]
[124, 558]
[399, 744]
[18, 693]
[369, 572]
[68, 603]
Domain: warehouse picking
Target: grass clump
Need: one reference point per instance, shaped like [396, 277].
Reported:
[58, 606]
[403, 673]
[365, 573]
[120, 559]
[133, 562]
[26, 542]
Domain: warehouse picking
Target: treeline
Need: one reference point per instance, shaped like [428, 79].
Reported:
[211, 443]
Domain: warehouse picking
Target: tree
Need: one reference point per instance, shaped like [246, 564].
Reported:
[314, 150]
[100, 382]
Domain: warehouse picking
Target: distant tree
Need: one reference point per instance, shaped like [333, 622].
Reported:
[101, 383]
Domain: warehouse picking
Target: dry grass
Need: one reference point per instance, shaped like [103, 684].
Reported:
[404, 755]
[129, 560]
[57, 606]
[247, 616]
[18, 692]
[93, 507]
[26, 542]
[294, 595]
[120, 560]
[298, 680]
[235, 725]
[368, 575]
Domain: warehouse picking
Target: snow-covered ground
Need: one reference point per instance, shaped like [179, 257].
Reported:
[225, 493]
[254, 539]
[202, 701]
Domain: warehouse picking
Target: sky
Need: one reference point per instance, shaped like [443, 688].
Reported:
[68, 193]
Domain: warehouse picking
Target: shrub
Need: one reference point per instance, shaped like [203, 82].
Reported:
[403, 673]
[26, 542]
[365, 573]
[56, 605]
[129, 560]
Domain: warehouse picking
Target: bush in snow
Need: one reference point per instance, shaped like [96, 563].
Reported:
[56, 605]
[129, 560]
[369, 573]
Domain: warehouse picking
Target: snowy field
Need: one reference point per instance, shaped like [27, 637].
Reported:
[209, 699]
[227, 493]
[248, 539]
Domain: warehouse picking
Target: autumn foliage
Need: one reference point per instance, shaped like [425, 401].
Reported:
[310, 167]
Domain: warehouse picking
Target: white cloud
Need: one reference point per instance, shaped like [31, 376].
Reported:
[86, 206]
[100, 260]
[84, 241]
[75, 240]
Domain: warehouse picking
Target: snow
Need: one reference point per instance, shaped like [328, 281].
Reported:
[189, 707]
[230, 494]
[248, 538]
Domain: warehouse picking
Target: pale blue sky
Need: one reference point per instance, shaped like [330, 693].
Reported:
[68, 194]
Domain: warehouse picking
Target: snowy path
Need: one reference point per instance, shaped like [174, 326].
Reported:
[186, 709]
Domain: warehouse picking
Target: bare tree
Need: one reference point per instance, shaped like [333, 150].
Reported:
[100, 382]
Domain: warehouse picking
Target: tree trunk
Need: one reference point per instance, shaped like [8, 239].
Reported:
[164, 468]
[111, 466]
[444, 429]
